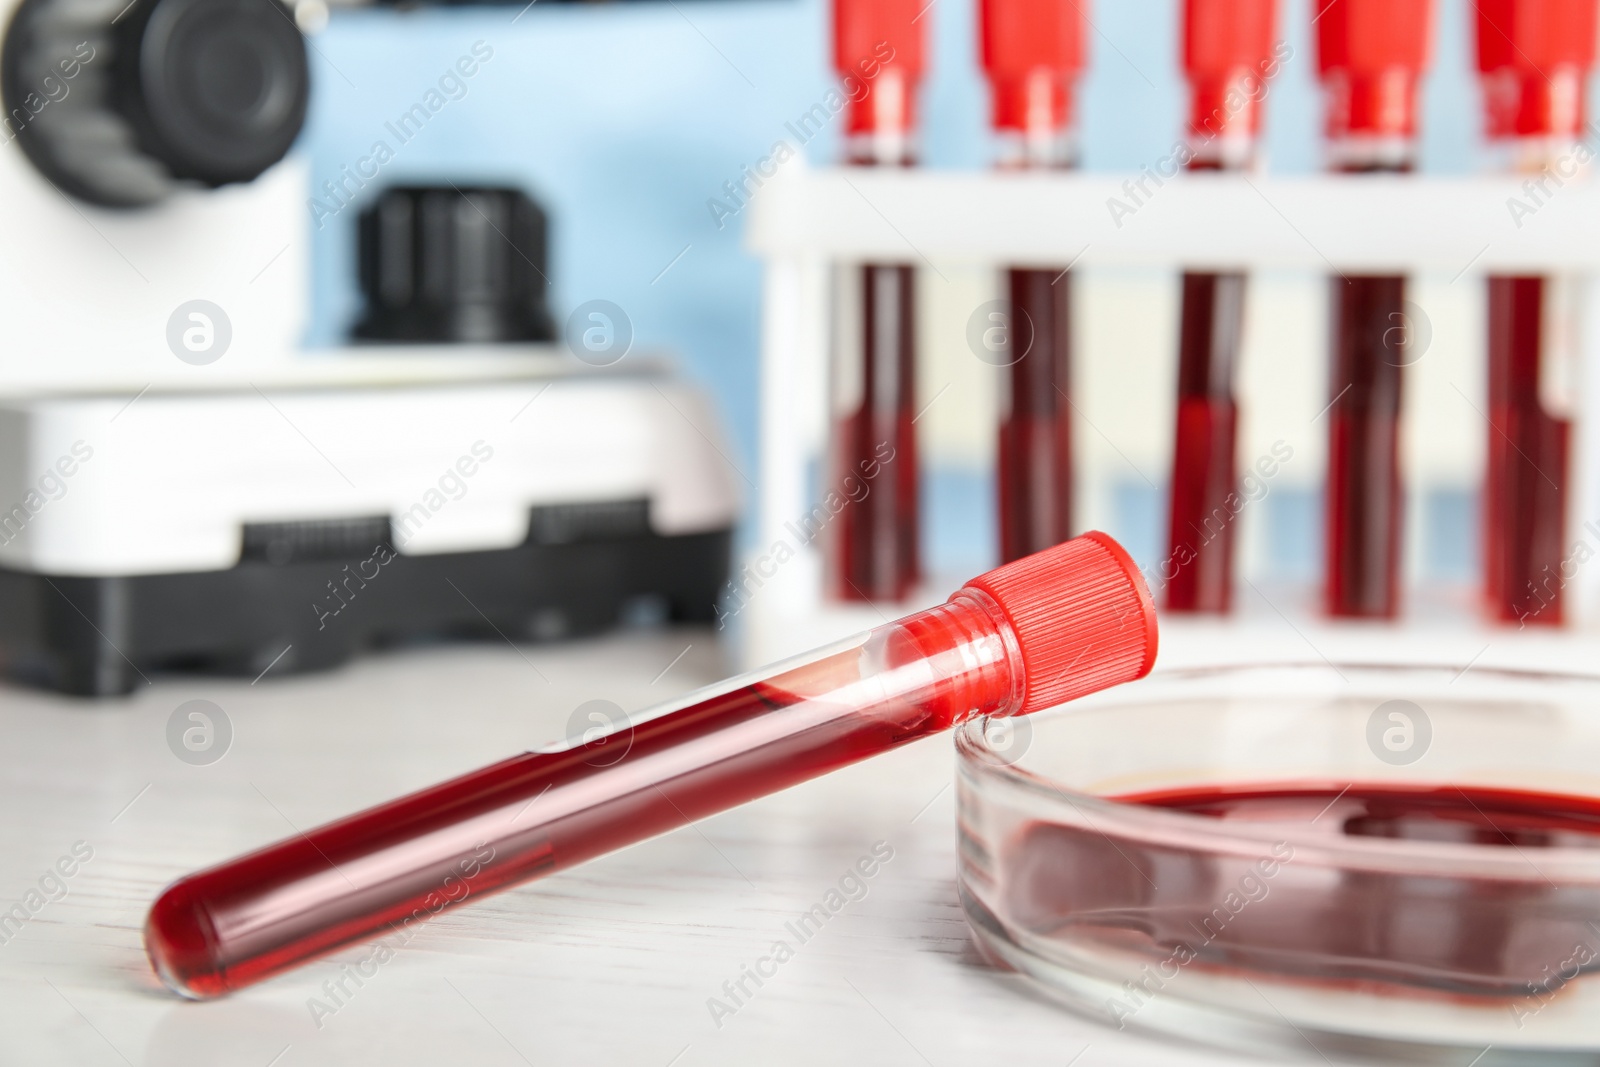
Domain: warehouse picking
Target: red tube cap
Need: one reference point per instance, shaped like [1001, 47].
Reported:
[1535, 56]
[1371, 54]
[1033, 51]
[1227, 53]
[1082, 615]
[878, 48]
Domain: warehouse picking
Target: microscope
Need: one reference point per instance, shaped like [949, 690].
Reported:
[183, 485]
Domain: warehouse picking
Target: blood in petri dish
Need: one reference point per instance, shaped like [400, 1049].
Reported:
[876, 545]
[1525, 485]
[1200, 521]
[1364, 497]
[1297, 917]
[1035, 443]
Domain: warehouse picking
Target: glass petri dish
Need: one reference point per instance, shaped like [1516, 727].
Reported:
[1401, 862]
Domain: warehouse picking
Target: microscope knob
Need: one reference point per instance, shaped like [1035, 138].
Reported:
[118, 103]
[448, 264]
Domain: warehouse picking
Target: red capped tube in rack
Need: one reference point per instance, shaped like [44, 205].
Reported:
[872, 547]
[878, 50]
[1230, 57]
[1371, 54]
[1033, 51]
[1534, 57]
[1019, 639]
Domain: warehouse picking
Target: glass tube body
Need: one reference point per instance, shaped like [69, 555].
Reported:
[1530, 429]
[1033, 459]
[874, 551]
[1369, 340]
[379, 871]
[1199, 520]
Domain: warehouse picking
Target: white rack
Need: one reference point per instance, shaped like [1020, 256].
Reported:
[1367, 222]
[804, 220]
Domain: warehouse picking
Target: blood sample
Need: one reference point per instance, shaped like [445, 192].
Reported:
[1288, 914]
[1228, 54]
[872, 550]
[1030, 635]
[1370, 54]
[1534, 56]
[1033, 50]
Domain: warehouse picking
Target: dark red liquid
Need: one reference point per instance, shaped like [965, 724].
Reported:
[1200, 521]
[382, 870]
[231, 926]
[1283, 912]
[1035, 453]
[1525, 502]
[874, 463]
[1364, 498]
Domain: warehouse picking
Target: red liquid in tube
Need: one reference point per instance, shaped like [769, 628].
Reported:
[1204, 473]
[1364, 496]
[1525, 498]
[1032, 51]
[1228, 55]
[1534, 56]
[1027, 636]
[507, 823]
[876, 547]
[1370, 55]
[1479, 935]
[1034, 459]
[873, 550]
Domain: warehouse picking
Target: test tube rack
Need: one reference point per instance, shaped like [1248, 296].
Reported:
[805, 220]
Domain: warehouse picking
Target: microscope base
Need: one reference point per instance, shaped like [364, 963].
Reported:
[105, 636]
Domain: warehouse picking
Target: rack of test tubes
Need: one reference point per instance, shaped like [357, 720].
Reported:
[908, 311]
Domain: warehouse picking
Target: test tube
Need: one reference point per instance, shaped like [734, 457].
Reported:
[1032, 51]
[1534, 56]
[872, 548]
[1030, 635]
[1228, 55]
[1370, 54]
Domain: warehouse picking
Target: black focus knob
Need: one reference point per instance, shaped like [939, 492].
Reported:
[454, 265]
[118, 103]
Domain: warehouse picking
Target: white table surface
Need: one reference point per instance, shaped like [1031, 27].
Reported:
[609, 963]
